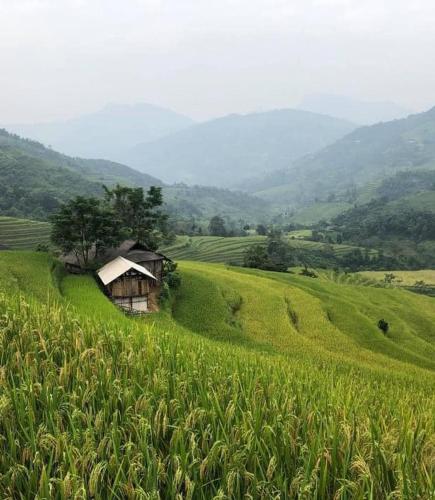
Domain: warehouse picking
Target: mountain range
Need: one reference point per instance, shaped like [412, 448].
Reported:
[365, 156]
[361, 164]
[226, 151]
[220, 152]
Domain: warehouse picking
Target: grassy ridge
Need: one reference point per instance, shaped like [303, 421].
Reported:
[23, 233]
[240, 388]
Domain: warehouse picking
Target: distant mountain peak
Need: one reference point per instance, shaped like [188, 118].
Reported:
[226, 150]
[107, 132]
[358, 111]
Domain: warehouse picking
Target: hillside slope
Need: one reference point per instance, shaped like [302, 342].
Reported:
[34, 179]
[231, 250]
[108, 132]
[366, 155]
[227, 150]
[255, 385]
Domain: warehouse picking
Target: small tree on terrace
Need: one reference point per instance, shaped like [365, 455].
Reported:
[256, 256]
[261, 230]
[217, 226]
[84, 223]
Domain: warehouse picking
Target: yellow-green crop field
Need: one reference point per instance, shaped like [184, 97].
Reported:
[232, 249]
[248, 384]
[23, 233]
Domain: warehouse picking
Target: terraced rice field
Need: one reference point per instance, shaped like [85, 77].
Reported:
[23, 233]
[247, 384]
[231, 250]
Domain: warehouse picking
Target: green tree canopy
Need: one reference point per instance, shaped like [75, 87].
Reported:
[84, 223]
[216, 226]
[139, 213]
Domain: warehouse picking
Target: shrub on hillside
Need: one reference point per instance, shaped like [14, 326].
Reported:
[383, 326]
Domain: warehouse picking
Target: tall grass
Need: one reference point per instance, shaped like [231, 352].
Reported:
[95, 407]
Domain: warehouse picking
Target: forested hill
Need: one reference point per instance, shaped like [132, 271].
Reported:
[225, 151]
[35, 179]
[368, 154]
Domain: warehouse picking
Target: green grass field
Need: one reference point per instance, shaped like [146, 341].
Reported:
[23, 233]
[232, 249]
[248, 384]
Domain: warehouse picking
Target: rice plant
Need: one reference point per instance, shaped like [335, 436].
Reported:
[95, 405]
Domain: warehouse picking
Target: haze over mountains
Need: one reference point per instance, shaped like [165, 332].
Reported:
[366, 155]
[220, 152]
[282, 158]
[228, 150]
[354, 110]
[106, 133]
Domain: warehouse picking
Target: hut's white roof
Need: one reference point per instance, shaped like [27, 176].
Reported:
[116, 267]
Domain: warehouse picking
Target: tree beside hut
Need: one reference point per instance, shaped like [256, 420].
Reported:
[120, 232]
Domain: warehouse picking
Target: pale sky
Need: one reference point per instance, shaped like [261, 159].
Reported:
[205, 58]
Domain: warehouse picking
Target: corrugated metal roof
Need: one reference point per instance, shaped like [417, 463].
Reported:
[116, 267]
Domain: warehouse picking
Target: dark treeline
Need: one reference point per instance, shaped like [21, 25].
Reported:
[376, 220]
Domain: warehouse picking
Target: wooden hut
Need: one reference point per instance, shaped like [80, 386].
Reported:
[129, 285]
[130, 250]
[132, 274]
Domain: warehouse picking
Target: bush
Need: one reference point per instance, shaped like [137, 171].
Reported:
[306, 272]
[165, 293]
[173, 280]
[383, 326]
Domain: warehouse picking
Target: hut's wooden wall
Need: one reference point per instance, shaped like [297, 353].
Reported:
[129, 286]
[155, 267]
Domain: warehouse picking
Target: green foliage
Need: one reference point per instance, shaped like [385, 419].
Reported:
[198, 204]
[399, 230]
[276, 255]
[308, 272]
[139, 215]
[261, 230]
[255, 256]
[383, 326]
[34, 180]
[216, 226]
[170, 274]
[84, 224]
[377, 220]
